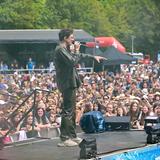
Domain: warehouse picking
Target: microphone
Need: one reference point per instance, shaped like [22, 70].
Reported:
[81, 44]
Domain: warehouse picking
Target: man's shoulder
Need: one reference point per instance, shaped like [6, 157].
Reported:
[58, 48]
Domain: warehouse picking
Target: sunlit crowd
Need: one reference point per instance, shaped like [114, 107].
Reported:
[134, 92]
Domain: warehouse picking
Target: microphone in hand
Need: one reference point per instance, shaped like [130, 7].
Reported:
[76, 46]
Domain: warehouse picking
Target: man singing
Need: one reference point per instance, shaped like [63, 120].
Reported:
[68, 81]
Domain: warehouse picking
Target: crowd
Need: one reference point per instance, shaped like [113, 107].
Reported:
[30, 65]
[134, 92]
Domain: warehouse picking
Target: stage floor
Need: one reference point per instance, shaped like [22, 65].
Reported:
[46, 149]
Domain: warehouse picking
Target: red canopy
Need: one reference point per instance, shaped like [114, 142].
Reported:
[105, 42]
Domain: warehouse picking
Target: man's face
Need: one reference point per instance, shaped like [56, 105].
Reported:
[69, 40]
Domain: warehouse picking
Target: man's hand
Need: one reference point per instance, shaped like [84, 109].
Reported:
[77, 46]
[98, 58]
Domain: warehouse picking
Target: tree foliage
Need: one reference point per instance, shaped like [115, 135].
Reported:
[134, 18]
[20, 14]
[119, 18]
[143, 18]
[88, 15]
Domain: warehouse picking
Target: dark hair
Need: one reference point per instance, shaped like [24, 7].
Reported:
[14, 124]
[44, 118]
[156, 104]
[65, 33]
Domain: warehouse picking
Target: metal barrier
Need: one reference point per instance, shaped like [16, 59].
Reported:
[28, 71]
[43, 134]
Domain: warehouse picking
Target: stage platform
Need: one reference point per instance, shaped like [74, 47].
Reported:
[46, 149]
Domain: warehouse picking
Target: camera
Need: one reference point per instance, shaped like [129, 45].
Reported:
[152, 128]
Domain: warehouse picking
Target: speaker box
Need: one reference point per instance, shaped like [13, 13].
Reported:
[117, 123]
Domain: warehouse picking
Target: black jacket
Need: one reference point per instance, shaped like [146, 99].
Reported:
[65, 64]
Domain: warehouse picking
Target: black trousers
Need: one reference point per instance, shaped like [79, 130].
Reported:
[68, 124]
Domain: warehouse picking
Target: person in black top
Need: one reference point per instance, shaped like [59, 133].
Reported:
[66, 58]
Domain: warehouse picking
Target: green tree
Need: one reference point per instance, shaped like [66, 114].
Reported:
[144, 18]
[119, 18]
[140, 19]
[88, 15]
[20, 14]
[116, 14]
